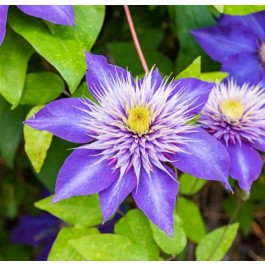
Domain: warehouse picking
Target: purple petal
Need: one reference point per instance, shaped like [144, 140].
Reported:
[246, 164]
[195, 91]
[63, 15]
[207, 158]
[101, 74]
[82, 174]
[244, 67]
[255, 22]
[222, 42]
[156, 79]
[156, 197]
[45, 251]
[63, 118]
[260, 145]
[113, 196]
[3, 19]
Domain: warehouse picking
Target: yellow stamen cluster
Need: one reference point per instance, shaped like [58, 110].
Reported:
[233, 109]
[139, 119]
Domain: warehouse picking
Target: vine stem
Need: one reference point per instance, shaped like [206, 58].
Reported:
[135, 38]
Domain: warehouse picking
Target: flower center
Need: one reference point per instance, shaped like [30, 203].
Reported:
[233, 109]
[139, 119]
[262, 53]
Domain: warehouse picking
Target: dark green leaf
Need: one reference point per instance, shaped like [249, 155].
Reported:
[109, 247]
[215, 244]
[41, 88]
[125, 55]
[11, 130]
[136, 227]
[65, 49]
[83, 211]
[62, 250]
[187, 18]
[14, 56]
[244, 216]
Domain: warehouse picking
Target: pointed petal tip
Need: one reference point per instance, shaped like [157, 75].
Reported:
[228, 187]
[169, 231]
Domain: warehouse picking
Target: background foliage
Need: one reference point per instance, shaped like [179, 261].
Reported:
[40, 62]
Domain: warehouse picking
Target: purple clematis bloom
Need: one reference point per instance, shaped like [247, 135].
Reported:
[63, 15]
[132, 139]
[238, 43]
[235, 115]
[38, 231]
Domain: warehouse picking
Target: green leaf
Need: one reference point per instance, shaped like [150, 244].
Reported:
[213, 76]
[36, 142]
[135, 226]
[194, 227]
[193, 70]
[14, 56]
[190, 185]
[109, 247]
[62, 250]
[11, 130]
[83, 210]
[219, 8]
[125, 55]
[215, 244]
[58, 151]
[242, 9]
[170, 245]
[41, 88]
[65, 49]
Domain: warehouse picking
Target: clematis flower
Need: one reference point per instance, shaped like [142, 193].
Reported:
[132, 139]
[235, 115]
[238, 43]
[38, 231]
[63, 15]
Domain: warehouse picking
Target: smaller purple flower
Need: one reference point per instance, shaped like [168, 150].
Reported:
[38, 231]
[238, 43]
[63, 15]
[133, 139]
[235, 115]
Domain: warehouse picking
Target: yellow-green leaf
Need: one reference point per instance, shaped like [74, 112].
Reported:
[62, 250]
[36, 142]
[215, 245]
[109, 247]
[170, 245]
[79, 210]
[194, 227]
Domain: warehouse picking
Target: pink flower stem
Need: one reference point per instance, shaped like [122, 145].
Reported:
[135, 39]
